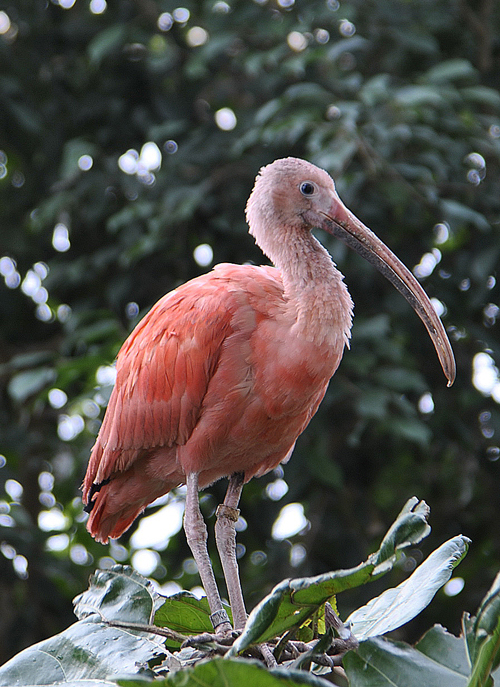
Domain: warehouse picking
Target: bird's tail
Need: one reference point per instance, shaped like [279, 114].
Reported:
[114, 504]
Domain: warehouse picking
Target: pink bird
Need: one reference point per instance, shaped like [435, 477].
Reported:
[224, 373]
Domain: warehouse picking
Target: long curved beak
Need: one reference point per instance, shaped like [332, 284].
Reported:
[345, 226]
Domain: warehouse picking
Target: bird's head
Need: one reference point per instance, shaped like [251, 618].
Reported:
[296, 196]
[291, 193]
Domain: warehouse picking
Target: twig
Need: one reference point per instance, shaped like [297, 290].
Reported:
[152, 629]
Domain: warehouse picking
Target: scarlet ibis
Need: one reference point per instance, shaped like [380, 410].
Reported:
[224, 373]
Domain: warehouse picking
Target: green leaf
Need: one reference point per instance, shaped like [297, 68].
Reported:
[28, 383]
[458, 213]
[397, 606]
[411, 429]
[482, 95]
[185, 613]
[27, 360]
[107, 41]
[119, 593]
[91, 651]
[415, 96]
[88, 652]
[294, 601]
[400, 379]
[73, 150]
[272, 612]
[446, 649]
[451, 70]
[409, 528]
[483, 636]
[380, 662]
[321, 646]
[375, 90]
[234, 673]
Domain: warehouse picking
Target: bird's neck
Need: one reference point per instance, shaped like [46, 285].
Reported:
[317, 297]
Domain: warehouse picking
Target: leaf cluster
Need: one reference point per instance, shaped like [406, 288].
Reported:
[121, 619]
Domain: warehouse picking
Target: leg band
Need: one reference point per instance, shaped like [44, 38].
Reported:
[219, 617]
[229, 512]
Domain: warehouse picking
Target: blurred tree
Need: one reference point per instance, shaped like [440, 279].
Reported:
[130, 135]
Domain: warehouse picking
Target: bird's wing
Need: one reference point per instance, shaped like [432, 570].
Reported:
[163, 371]
[166, 364]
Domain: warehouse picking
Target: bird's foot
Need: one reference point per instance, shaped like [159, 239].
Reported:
[219, 641]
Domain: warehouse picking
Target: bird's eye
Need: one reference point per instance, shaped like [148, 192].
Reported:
[307, 188]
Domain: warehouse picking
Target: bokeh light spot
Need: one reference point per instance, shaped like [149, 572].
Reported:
[57, 542]
[53, 519]
[298, 554]
[20, 565]
[289, 522]
[454, 586]
[426, 403]
[203, 254]
[296, 41]
[57, 398]
[181, 15]
[4, 23]
[70, 426]
[85, 162]
[79, 555]
[196, 36]
[225, 119]
[145, 561]
[165, 21]
[347, 28]
[98, 6]
[14, 489]
[60, 238]
[277, 489]
[155, 530]
[105, 375]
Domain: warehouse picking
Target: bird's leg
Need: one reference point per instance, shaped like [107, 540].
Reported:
[225, 536]
[196, 535]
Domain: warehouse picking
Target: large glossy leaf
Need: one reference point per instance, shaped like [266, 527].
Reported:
[380, 662]
[119, 593]
[87, 653]
[91, 652]
[483, 636]
[445, 649]
[397, 606]
[185, 613]
[451, 651]
[292, 602]
[439, 658]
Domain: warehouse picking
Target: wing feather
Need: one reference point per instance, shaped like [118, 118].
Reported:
[163, 371]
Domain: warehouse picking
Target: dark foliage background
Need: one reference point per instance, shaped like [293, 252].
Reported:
[399, 101]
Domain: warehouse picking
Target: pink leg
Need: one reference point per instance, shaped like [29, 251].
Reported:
[225, 535]
[196, 535]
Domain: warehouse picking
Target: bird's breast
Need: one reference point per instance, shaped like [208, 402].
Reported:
[290, 370]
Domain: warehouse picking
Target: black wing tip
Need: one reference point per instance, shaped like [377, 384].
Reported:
[94, 489]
